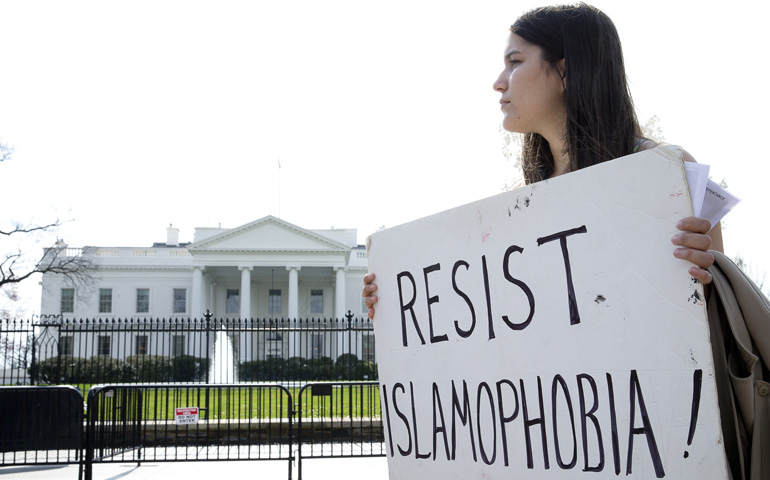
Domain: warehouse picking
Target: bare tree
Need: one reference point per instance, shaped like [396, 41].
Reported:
[652, 130]
[512, 152]
[750, 270]
[9, 306]
[15, 351]
[19, 239]
[17, 264]
[5, 152]
[15, 344]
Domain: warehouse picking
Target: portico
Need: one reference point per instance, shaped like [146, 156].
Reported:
[265, 269]
[268, 269]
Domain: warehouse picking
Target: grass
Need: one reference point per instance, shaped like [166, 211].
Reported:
[240, 403]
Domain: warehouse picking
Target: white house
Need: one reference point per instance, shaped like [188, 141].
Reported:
[268, 268]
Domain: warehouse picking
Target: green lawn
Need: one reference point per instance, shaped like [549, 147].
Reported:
[240, 403]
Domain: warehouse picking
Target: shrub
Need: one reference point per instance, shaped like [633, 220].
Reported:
[248, 371]
[101, 369]
[274, 369]
[186, 368]
[148, 369]
[263, 370]
[345, 368]
[297, 368]
[366, 371]
[321, 368]
[51, 370]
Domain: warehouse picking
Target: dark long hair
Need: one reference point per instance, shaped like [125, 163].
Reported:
[601, 121]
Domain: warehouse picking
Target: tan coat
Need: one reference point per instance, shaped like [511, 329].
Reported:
[739, 322]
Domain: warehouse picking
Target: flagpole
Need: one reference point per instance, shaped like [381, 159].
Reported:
[279, 187]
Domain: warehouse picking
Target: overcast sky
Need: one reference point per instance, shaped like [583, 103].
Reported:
[130, 116]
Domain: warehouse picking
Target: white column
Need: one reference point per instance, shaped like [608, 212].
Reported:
[339, 293]
[245, 292]
[293, 292]
[205, 297]
[196, 305]
[211, 305]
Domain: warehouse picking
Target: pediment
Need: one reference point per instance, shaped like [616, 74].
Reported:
[268, 234]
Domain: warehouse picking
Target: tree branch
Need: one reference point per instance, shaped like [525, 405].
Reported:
[30, 228]
[78, 268]
[5, 152]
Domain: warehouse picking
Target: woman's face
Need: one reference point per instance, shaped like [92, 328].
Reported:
[531, 91]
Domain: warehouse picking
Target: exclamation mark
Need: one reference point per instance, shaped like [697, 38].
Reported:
[697, 379]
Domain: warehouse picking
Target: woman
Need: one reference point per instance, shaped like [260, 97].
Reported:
[564, 86]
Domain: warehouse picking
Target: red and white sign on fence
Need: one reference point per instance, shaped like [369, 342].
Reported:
[186, 416]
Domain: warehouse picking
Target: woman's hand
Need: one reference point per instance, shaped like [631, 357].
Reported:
[694, 242]
[368, 294]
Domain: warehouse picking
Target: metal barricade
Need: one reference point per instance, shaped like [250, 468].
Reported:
[188, 422]
[339, 419]
[41, 425]
[164, 422]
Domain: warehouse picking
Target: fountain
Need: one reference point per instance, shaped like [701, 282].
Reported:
[222, 355]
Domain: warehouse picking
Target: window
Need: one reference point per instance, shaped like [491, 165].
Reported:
[367, 347]
[177, 347]
[140, 345]
[364, 310]
[66, 345]
[316, 345]
[67, 300]
[180, 300]
[105, 300]
[274, 345]
[274, 302]
[104, 345]
[142, 300]
[316, 302]
[233, 301]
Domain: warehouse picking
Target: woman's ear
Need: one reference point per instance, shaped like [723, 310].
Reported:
[560, 66]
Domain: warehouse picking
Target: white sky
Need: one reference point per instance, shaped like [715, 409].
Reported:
[129, 116]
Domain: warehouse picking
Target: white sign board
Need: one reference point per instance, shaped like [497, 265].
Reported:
[549, 332]
[186, 416]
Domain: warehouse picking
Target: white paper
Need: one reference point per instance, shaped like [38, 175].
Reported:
[697, 177]
[709, 199]
[717, 202]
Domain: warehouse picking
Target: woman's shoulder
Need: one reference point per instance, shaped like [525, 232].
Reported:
[647, 144]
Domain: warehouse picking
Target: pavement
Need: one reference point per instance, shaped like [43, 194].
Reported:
[362, 468]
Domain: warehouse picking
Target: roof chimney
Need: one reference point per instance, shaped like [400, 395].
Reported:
[172, 236]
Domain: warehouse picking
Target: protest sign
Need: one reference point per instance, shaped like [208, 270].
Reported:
[549, 332]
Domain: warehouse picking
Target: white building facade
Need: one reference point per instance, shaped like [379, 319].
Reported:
[272, 289]
[268, 268]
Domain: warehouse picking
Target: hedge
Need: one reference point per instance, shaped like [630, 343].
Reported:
[347, 367]
[136, 368]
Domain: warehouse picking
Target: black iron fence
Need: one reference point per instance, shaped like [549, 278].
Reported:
[64, 351]
[189, 390]
[41, 425]
[190, 422]
[339, 420]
